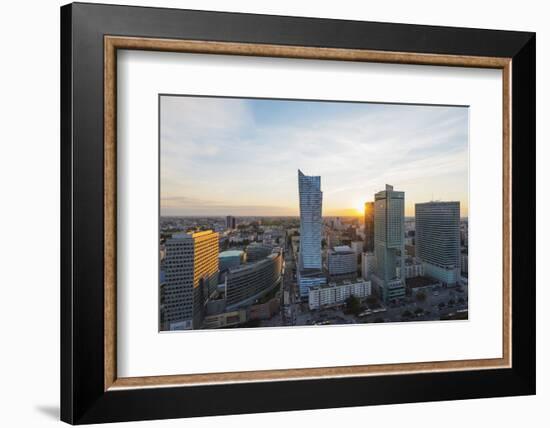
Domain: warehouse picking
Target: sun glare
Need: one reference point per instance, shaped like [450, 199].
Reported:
[360, 208]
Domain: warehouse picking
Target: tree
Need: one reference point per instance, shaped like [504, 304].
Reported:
[353, 305]
[372, 300]
[421, 296]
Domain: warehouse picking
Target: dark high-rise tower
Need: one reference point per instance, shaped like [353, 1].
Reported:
[369, 227]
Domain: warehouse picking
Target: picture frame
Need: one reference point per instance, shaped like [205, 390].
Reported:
[91, 391]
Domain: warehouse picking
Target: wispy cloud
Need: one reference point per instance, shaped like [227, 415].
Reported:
[233, 154]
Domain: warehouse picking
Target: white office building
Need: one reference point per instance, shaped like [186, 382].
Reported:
[413, 268]
[334, 294]
[342, 262]
[438, 240]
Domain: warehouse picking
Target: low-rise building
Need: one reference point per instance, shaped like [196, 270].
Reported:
[257, 251]
[342, 263]
[421, 283]
[334, 294]
[231, 258]
[308, 279]
[246, 283]
[412, 268]
[225, 319]
[265, 311]
[393, 289]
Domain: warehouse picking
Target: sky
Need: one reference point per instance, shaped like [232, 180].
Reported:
[230, 156]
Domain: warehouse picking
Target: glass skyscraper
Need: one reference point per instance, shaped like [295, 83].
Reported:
[438, 239]
[389, 242]
[311, 223]
[311, 226]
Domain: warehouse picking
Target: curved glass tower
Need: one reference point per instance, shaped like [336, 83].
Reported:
[310, 272]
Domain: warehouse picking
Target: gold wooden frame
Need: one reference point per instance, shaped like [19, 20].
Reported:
[112, 43]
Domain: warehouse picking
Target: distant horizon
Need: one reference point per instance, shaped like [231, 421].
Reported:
[271, 216]
[220, 155]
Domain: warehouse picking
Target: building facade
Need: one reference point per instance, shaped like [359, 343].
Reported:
[438, 240]
[311, 227]
[308, 278]
[464, 262]
[342, 263]
[247, 283]
[230, 222]
[413, 268]
[368, 265]
[369, 227]
[257, 251]
[230, 259]
[335, 294]
[389, 243]
[191, 269]
[357, 248]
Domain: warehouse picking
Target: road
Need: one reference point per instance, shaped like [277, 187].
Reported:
[297, 313]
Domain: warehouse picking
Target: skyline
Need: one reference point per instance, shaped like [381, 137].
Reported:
[244, 154]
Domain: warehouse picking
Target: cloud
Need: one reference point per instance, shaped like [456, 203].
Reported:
[245, 153]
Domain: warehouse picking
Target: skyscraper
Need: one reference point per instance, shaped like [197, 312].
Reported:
[230, 222]
[369, 227]
[438, 239]
[191, 269]
[311, 225]
[311, 201]
[389, 242]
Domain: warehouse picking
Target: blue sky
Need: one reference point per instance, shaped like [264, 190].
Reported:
[223, 156]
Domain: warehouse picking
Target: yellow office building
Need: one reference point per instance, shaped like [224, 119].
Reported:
[191, 270]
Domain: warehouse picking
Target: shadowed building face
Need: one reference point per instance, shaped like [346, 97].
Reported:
[369, 227]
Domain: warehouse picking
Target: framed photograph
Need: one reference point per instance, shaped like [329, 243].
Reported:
[267, 213]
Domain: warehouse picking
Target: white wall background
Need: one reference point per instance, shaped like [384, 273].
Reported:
[29, 177]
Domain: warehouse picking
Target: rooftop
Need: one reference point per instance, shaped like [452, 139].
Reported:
[421, 281]
[188, 235]
[333, 284]
[231, 253]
